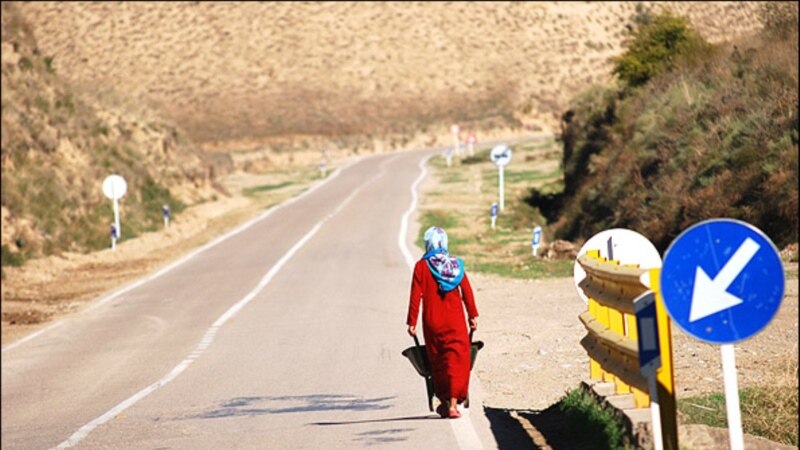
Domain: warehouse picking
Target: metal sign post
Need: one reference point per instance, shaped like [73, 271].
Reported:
[722, 282]
[501, 187]
[501, 156]
[113, 237]
[114, 187]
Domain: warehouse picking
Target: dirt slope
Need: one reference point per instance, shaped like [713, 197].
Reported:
[236, 70]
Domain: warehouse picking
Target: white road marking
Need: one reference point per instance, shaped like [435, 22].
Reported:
[211, 333]
[463, 429]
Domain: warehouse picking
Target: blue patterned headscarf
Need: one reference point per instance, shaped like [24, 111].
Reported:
[447, 270]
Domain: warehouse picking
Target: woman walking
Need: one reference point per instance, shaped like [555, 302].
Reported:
[440, 282]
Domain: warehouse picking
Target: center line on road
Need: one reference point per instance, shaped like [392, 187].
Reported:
[210, 334]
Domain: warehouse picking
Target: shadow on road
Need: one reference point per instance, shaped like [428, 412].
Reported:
[389, 419]
[253, 406]
[546, 429]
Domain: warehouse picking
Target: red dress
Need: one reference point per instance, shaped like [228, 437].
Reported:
[445, 329]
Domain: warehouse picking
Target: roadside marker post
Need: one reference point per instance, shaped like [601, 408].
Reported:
[536, 239]
[454, 129]
[471, 140]
[493, 214]
[114, 187]
[166, 213]
[501, 156]
[722, 282]
[448, 154]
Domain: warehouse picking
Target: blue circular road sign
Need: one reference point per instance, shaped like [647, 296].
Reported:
[722, 280]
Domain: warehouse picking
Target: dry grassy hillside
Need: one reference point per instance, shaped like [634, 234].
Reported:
[231, 71]
[58, 146]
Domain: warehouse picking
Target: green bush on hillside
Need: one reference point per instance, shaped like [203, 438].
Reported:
[706, 138]
[657, 44]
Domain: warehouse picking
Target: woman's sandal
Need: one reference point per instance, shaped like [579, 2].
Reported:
[442, 410]
[454, 414]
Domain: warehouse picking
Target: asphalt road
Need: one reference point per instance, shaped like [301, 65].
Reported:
[286, 334]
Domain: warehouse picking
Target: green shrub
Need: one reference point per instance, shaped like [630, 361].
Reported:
[586, 414]
[48, 63]
[656, 46]
[10, 258]
[711, 138]
[25, 63]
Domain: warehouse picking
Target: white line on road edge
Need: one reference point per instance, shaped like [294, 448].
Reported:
[187, 257]
[211, 333]
[463, 429]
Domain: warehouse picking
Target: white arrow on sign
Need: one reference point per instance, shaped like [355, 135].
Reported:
[711, 296]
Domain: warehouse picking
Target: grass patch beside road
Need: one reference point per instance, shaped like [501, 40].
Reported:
[266, 187]
[769, 411]
[461, 201]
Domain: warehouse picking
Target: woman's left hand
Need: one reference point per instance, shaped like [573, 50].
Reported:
[412, 330]
[473, 324]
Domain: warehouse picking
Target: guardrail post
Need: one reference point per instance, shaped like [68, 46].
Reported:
[616, 324]
[665, 379]
[640, 398]
[595, 370]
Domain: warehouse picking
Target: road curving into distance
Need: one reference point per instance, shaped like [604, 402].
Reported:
[285, 333]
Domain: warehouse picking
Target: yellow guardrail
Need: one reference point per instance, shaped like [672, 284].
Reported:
[611, 324]
[611, 340]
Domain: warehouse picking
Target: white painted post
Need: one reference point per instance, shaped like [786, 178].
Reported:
[536, 239]
[732, 397]
[502, 194]
[655, 414]
[449, 156]
[471, 144]
[165, 213]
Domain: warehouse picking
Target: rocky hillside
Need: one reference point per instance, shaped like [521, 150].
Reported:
[59, 144]
[279, 71]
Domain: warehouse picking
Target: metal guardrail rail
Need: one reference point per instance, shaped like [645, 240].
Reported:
[611, 339]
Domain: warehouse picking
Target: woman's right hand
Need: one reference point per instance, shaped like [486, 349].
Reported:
[473, 324]
[412, 330]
